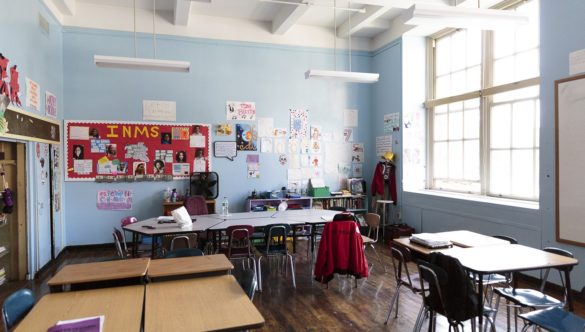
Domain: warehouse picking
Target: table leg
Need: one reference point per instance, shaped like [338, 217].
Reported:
[134, 244]
[153, 246]
[569, 289]
[480, 302]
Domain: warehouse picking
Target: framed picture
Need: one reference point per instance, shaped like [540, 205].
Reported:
[357, 186]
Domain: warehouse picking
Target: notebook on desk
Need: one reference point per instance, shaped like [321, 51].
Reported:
[430, 240]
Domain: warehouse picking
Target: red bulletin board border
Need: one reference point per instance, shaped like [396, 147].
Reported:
[124, 135]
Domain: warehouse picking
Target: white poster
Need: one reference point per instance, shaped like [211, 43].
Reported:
[159, 110]
[50, 105]
[33, 94]
[350, 118]
[266, 145]
[299, 122]
[391, 122]
[383, 145]
[240, 110]
[265, 127]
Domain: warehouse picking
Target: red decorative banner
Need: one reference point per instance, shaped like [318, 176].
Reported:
[135, 150]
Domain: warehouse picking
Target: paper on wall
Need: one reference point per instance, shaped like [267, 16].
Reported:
[348, 134]
[265, 127]
[279, 145]
[294, 161]
[391, 122]
[577, 62]
[78, 132]
[293, 146]
[50, 105]
[350, 118]
[266, 145]
[294, 174]
[383, 145]
[83, 166]
[33, 94]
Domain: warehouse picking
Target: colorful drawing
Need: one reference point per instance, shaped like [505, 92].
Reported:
[246, 137]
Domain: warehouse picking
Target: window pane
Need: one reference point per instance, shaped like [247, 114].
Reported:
[440, 159]
[455, 125]
[456, 160]
[458, 50]
[529, 92]
[503, 43]
[500, 173]
[527, 65]
[473, 48]
[523, 124]
[473, 79]
[443, 56]
[440, 127]
[500, 126]
[471, 160]
[471, 123]
[522, 173]
[503, 70]
[443, 86]
[458, 83]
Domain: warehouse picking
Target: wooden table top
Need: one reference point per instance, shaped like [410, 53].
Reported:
[199, 304]
[405, 241]
[508, 258]
[121, 307]
[189, 265]
[468, 239]
[100, 271]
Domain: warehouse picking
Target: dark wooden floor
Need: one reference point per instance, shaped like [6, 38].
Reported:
[311, 306]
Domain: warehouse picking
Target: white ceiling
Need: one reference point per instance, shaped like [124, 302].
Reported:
[275, 22]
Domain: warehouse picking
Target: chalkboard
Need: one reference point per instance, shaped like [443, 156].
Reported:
[570, 161]
[30, 127]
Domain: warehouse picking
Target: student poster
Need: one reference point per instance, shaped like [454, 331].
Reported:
[118, 199]
[135, 151]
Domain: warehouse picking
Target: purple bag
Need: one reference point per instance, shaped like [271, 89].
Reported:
[8, 201]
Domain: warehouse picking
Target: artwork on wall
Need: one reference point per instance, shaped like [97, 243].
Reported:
[246, 137]
[129, 151]
[50, 105]
[299, 122]
[119, 199]
[240, 110]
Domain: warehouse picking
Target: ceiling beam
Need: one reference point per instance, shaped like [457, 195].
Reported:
[386, 3]
[287, 17]
[67, 7]
[182, 12]
[361, 20]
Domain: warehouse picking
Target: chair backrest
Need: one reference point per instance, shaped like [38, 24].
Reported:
[275, 238]
[461, 299]
[120, 243]
[248, 282]
[561, 269]
[433, 280]
[184, 252]
[16, 306]
[400, 256]
[177, 238]
[239, 239]
[373, 222]
[196, 205]
[127, 221]
[506, 238]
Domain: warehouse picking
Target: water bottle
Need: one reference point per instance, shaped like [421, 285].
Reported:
[225, 207]
[174, 196]
[167, 195]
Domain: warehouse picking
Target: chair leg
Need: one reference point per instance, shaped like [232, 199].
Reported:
[394, 302]
[292, 270]
[260, 273]
[379, 258]
[419, 318]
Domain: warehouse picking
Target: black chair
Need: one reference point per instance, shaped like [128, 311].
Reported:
[400, 256]
[448, 291]
[184, 252]
[16, 306]
[275, 245]
[554, 319]
[532, 298]
[248, 282]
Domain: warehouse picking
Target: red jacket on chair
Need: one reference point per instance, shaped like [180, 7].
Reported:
[341, 251]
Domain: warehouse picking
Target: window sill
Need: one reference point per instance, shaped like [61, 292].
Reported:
[480, 199]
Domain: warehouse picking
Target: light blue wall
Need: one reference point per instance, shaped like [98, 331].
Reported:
[270, 75]
[39, 56]
[562, 31]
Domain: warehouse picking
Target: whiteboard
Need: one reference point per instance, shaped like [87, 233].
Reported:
[570, 159]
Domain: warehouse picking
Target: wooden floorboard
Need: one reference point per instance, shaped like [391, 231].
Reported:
[311, 306]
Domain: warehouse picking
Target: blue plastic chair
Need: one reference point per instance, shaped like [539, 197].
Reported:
[554, 319]
[16, 306]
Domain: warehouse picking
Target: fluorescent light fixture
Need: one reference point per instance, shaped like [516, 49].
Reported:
[141, 63]
[459, 17]
[346, 76]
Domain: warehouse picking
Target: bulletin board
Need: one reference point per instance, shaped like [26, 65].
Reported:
[129, 151]
[570, 161]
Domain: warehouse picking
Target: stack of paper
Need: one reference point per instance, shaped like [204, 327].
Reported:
[88, 324]
[430, 240]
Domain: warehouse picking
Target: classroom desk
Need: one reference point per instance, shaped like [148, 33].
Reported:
[468, 239]
[201, 223]
[405, 242]
[88, 273]
[200, 304]
[121, 307]
[189, 266]
[510, 258]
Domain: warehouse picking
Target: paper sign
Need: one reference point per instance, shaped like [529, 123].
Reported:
[266, 145]
[33, 94]
[299, 121]
[253, 162]
[350, 118]
[114, 199]
[391, 122]
[50, 105]
[383, 145]
[159, 110]
[240, 110]
[225, 150]
[78, 132]
[265, 127]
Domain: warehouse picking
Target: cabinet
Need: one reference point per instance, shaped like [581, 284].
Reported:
[170, 206]
[260, 204]
[353, 203]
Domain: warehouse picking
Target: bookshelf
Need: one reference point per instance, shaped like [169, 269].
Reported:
[263, 204]
[353, 203]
